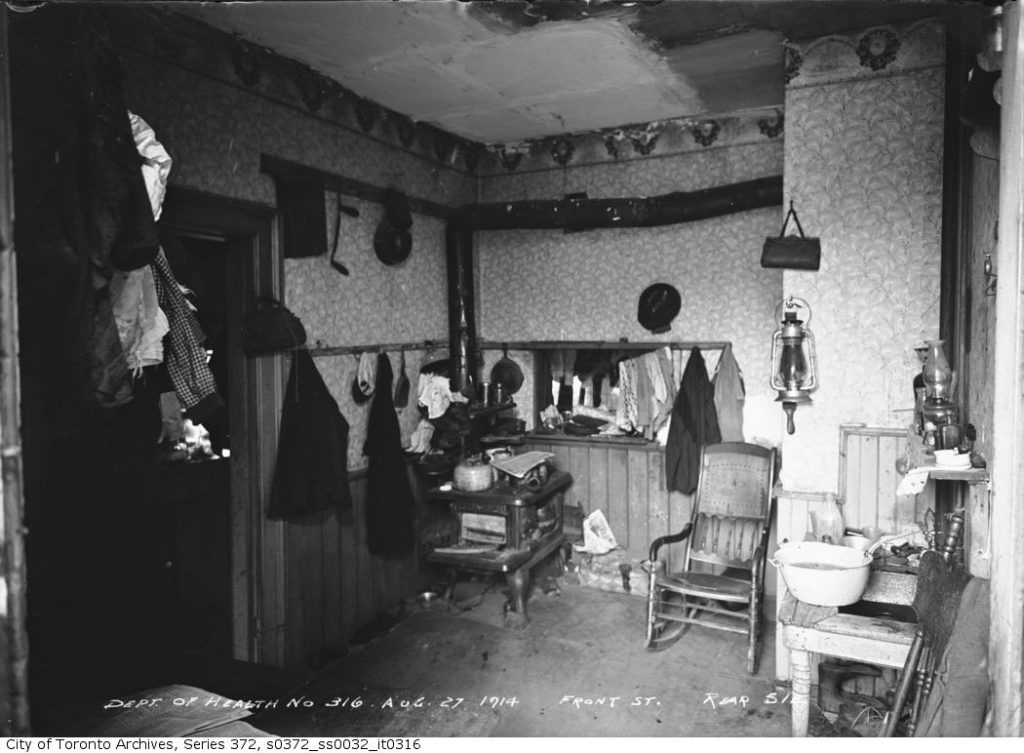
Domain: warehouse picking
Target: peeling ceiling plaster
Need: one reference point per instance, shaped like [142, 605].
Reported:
[494, 73]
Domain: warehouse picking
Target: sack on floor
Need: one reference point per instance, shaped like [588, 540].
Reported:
[615, 571]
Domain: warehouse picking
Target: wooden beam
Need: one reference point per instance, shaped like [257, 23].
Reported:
[600, 344]
[278, 167]
[574, 214]
[1007, 586]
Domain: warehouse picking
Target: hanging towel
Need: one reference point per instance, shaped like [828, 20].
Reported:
[694, 424]
[729, 396]
[390, 508]
[312, 453]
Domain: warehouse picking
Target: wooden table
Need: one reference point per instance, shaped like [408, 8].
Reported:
[533, 530]
[873, 640]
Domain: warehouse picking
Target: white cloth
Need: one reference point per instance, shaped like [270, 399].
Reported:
[420, 439]
[435, 394]
[367, 373]
[156, 162]
[141, 324]
[914, 482]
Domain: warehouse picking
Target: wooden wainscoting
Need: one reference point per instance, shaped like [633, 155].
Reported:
[626, 481]
[333, 585]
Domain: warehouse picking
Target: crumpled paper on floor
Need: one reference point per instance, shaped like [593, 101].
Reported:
[597, 535]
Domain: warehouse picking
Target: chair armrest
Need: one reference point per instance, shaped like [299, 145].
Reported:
[670, 539]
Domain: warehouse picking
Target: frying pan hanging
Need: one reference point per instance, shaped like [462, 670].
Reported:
[507, 372]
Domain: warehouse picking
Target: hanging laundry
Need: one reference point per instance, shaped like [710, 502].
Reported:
[311, 474]
[730, 395]
[659, 365]
[694, 424]
[626, 413]
[141, 324]
[644, 395]
[435, 394]
[185, 357]
[156, 162]
[366, 373]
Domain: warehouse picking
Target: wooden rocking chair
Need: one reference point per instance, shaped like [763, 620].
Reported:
[719, 577]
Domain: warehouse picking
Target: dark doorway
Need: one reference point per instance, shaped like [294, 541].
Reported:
[194, 481]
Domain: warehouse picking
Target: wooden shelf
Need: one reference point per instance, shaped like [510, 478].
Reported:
[490, 410]
[970, 475]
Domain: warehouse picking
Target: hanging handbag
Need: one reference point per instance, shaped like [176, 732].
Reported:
[791, 251]
[271, 328]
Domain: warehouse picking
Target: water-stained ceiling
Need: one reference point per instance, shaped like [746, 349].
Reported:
[498, 72]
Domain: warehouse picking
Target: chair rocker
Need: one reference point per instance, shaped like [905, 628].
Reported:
[715, 578]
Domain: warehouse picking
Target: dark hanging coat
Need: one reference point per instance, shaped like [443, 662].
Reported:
[694, 424]
[390, 507]
[312, 455]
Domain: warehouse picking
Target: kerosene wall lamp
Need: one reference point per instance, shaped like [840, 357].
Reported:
[794, 367]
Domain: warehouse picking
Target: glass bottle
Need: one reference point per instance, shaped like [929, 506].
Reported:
[937, 373]
[827, 521]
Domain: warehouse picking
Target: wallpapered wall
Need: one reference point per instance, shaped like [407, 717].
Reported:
[546, 285]
[215, 134]
[864, 167]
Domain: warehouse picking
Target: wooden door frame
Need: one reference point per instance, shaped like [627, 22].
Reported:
[14, 708]
[1006, 633]
[255, 269]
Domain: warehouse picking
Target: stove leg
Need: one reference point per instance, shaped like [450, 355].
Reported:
[453, 578]
[519, 583]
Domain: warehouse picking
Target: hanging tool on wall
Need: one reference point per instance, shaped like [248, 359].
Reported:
[338, 209]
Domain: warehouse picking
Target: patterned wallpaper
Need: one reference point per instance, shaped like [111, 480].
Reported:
[546, 285]
[864, 167]
[215, 134]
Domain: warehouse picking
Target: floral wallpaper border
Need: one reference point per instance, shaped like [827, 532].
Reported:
[866, 53]
[635, 143]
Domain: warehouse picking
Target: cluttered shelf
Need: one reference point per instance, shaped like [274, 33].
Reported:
[538, 437]
[942, 465]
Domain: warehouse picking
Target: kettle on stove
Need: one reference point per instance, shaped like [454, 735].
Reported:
[473, 475]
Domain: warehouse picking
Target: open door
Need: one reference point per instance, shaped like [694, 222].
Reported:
[14, 713]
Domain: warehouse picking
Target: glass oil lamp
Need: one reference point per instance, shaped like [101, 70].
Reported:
[794, 368]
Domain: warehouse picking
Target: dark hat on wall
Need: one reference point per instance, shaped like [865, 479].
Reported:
[658, 306]
[391, 244]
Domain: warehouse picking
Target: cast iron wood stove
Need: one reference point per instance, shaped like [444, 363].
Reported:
[505, 529]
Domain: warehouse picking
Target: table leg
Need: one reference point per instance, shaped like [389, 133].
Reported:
[800, 664]
[519, 583]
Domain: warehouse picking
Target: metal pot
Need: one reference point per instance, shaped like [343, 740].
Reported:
[823, 574]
